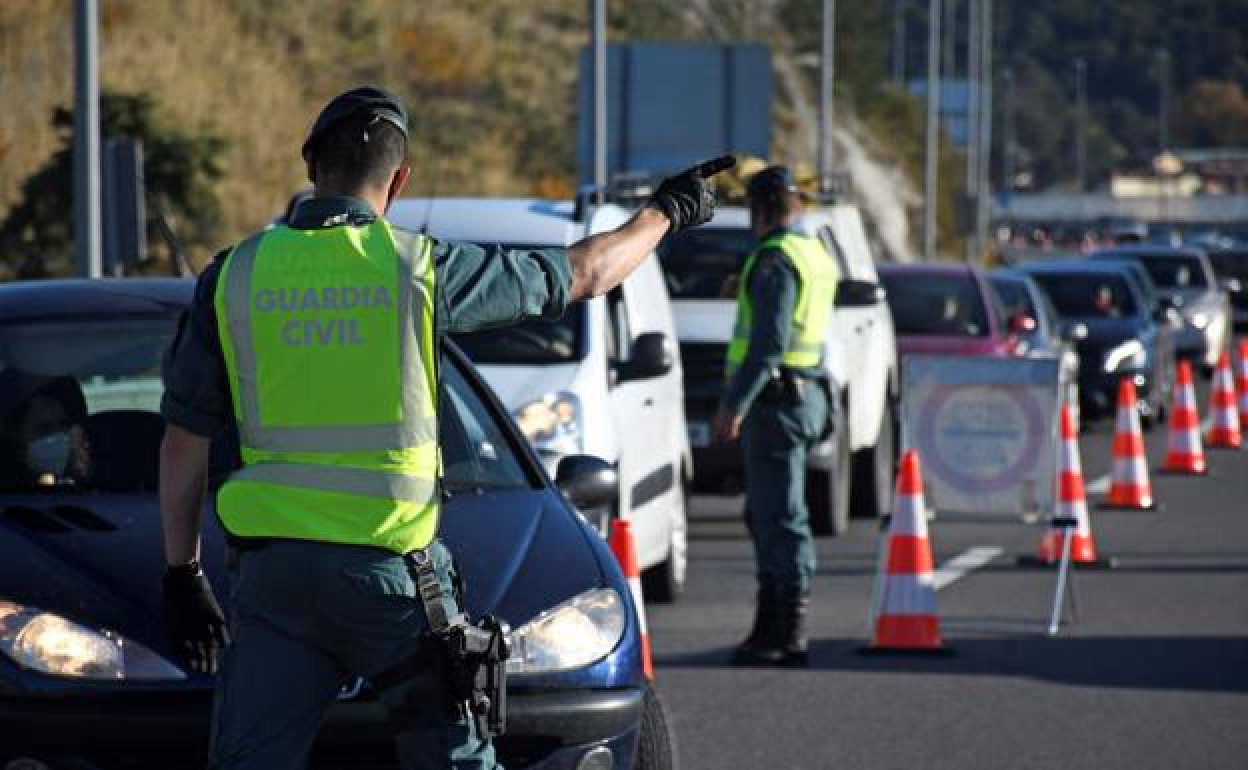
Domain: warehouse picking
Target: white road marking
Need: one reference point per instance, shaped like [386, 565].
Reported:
[958, 567]
[1098, 487]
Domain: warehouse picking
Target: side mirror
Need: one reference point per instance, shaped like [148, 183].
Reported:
[1074, 331]
[588, 482]
[1021, 323]
[651, 356]
[854, 293]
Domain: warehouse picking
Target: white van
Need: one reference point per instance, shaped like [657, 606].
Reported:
[604, 380]
[860, 357]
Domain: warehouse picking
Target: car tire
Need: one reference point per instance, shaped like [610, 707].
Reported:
[871, 493]
[827, 491]
[656, 748]
[665, 582]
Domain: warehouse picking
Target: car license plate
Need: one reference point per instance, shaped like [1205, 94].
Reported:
[699, 433]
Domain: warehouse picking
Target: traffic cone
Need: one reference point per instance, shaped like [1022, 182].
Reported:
[1184, 452]
[1072, 505]
[624, 547]
[1241, 385]
[1129, 487]
[907, 620]
[1225, 433]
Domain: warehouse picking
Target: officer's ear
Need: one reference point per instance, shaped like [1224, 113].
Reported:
[397, 183]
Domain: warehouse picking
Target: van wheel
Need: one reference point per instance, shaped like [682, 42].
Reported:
[874, 469]
[827, 492]
[665, 582]
[655, 747]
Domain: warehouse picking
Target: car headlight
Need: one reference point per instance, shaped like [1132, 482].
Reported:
[582, 630]
[552, 423]
[1200, 320]
[47, 642]
[1129, 355]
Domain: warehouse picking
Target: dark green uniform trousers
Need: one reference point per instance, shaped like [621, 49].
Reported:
[777, 436]
[308, 618]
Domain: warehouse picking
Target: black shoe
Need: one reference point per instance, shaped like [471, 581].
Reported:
[762, 633]
[786, 645]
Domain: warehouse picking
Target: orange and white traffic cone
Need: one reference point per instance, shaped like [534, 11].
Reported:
[1129, 487]
[907, 621]
[624, 547]
[1072, 505]
[1184, 452]
[1241, 385]
[1225, 433]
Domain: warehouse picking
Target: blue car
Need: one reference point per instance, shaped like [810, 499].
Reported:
[86, 678]
[1128, 335]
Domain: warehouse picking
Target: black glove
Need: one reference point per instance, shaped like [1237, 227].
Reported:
[194, 623]
[688, 198]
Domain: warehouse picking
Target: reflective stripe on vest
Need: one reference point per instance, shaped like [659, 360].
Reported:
[329, 344]
[817, 275]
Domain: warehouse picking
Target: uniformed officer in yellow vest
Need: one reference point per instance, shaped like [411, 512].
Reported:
[317, 340]
[776, 401]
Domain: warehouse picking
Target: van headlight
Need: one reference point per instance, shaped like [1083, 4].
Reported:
[552, 423]
[582, 630]
[1129, 355]
[49, 643]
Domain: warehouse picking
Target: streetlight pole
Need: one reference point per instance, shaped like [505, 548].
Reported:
[827, 71]
[983, 186]
[932, 152]
[598, 45]
[1163, 101]
[1007, 133]
[87, 225]
[1081, 126]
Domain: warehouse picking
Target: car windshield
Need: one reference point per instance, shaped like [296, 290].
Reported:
[699, 263]
[1176, 272]
[1090, 295]
[529, 342]
[76, 397]
[926, 304]
[1230, 264]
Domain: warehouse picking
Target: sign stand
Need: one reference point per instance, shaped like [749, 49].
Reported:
[1067, 526]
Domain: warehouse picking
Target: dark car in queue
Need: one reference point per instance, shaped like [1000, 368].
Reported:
[1185, 276]
[1230, 264]
[949, 309]
[1127, 336]
[86, 678]
[1048, 336]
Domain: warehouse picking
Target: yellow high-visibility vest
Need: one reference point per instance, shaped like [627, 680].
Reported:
[329, 343]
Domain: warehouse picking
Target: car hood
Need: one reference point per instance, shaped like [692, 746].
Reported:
[98, 560]
[966, 346]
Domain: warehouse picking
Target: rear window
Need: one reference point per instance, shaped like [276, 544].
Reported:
[1091, 296]
[1176, 272]
[949, 305]
[699, 263]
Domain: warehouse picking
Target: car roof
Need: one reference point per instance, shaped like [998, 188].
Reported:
[534, 221]
[1071, 266]
[927, 268]
[1147, 251]
[85, 298]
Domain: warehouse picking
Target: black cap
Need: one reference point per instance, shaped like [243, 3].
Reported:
[770, 181]
[376, 102]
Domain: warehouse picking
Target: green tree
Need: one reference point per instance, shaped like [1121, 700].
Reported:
[180, 171]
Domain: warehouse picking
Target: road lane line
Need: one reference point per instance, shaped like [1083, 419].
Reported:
[958, 567]
[1099, 486]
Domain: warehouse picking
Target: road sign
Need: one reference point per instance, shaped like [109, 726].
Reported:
[986, 429]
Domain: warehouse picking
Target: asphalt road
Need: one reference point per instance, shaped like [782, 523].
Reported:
[1153, 673]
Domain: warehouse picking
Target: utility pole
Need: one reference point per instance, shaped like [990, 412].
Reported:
[899, 42]
[971, 184]
[949, 59]
[1007, 133]
[983, 186]
[598, 45]
[1081, 125]
[1163, 101]
[932, 152]
[827, 71]
[87, 225]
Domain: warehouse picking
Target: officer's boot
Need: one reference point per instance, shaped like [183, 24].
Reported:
[762, 633]
[788, 645]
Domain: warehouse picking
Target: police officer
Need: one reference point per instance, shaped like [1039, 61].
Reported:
[318, 340]
[776, 400]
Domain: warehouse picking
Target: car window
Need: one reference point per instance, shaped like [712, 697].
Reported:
[529, 342]
[1176, 272]
[476, 453]
[619, 333]
[1090, 295]
[1230, 264]
[80, 402]
[701, 262]
[936, 305]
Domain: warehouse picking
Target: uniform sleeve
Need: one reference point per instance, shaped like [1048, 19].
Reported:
[486, 287]
[197, 395]
[773, 295]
